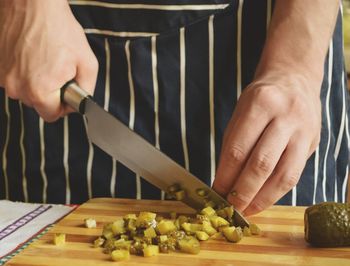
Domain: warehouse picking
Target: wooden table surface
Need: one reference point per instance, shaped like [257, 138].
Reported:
[281, 242]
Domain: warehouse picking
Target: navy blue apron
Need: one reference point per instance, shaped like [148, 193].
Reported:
[172, 70]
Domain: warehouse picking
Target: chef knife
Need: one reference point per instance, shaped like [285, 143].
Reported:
[126, 146]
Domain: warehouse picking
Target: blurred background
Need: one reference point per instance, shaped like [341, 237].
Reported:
[346, 18]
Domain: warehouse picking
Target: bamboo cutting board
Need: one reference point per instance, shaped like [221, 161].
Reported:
[281, 242]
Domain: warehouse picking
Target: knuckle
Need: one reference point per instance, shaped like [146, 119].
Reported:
[267, 96]
[235, 154]
[258, 206]
[239, 200]
[262, 165]
[289, 181]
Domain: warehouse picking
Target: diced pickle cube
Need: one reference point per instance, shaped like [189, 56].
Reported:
[217, 221]
[150, 250]
[99, 242]
[173, 215]
[208, 211]
[229, 211]
[163, 238]
[201, 235]
[186, 227]
[207, 227]
[165, 227]
[246, 231]
[196, 227]
[130, 216]
[220, 228]
[182, 219]
[217, 236]
[59, 239]
[210, 204]
[221, 213]
[145, 219]
[233, 234]
[189, 245]
[149, 232]
[118, 227]
[120, 254]
[254, 229]
[130, 224]
[107, 231]
[122, 244]
[90, 223]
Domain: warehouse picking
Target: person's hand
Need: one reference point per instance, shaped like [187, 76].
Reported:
[42, 47]
[273, 131]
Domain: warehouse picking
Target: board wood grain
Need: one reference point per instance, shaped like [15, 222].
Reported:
[281, 242]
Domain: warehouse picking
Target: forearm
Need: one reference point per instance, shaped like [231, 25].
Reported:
[299, 36]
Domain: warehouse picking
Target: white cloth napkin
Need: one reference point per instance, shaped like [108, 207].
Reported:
[21, 221]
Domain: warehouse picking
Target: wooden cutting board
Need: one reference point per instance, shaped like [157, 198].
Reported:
[281, 242]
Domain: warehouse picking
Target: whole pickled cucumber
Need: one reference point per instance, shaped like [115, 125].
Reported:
[327, 224]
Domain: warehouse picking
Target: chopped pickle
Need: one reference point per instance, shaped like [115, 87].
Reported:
[122, 244]
[145, 219]
[221, 213]
[217, 236]
[125, 237]
[186, 227]
[182, 219]
[191, 228]
[120, 254]
[189, 244]
[151, 250]
[163, 238]
[217, 221]
[201, 218]
[208, 211]
[99, 242]
[59, 239]
[149, 232]
[246, 231]
[207, 227]
[180, 195]
[107, 231]
[254, 229]
[164, 227]
[233, 234]
[130, 224]
[220, 228]
[90, 223]
[173, 215]
[201, 235]
[210, 204]
[118, 227]
[130, 216]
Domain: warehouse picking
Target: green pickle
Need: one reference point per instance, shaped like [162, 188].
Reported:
[327, 224]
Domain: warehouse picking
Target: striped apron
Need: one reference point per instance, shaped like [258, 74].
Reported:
[172, 70]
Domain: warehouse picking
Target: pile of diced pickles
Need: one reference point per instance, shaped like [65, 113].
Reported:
[147, 234]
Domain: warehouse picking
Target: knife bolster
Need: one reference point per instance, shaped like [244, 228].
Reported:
[74, 96]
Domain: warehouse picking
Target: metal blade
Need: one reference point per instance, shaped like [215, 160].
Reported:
[133, 151]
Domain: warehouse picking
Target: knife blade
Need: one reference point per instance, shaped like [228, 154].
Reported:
[126, 146]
